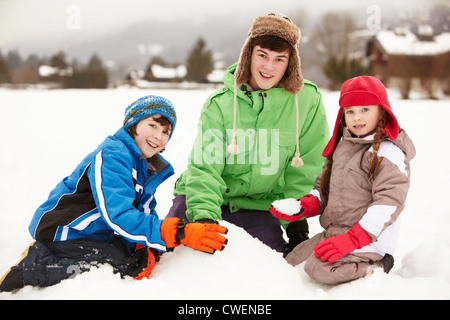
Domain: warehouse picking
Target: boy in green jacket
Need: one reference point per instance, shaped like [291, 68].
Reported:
[260, 139]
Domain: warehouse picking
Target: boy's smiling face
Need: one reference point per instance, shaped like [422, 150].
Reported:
[267, 68]
[151, 137]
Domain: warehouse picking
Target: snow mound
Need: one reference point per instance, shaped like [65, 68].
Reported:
[55, 129]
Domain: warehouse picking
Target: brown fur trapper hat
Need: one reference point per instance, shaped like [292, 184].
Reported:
[280, 26]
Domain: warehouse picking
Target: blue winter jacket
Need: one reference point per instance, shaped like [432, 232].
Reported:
[110, 192]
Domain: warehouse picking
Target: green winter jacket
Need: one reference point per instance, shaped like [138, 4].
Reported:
[261, 172]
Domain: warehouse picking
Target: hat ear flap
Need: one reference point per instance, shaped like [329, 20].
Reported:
[329, 148]
[242, 73]
[293, 79]
[392, 127]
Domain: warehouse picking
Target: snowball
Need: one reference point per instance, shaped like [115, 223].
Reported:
[289, 207]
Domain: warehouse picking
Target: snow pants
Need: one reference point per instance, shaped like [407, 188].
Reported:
[348, 268]
[259, 224]
[46, 264]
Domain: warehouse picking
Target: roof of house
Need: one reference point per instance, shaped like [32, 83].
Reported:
[404, 42]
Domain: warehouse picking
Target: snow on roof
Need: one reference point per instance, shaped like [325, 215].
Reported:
[406, 42]
[161, 72]
[47, 71]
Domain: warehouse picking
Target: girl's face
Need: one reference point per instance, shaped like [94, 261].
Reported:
[361, 120]
[151, 137]
[267, 68]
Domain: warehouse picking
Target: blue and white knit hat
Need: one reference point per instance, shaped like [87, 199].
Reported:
[148, 106]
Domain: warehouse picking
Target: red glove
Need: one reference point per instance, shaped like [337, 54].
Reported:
[292, 210]
[338, 246]
[202, 236]
[142, 261]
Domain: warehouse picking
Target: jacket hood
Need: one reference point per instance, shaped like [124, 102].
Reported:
[403, 142]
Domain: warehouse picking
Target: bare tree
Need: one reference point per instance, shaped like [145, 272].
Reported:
[336, 47]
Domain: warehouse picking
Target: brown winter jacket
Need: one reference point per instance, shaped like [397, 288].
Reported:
[353, 198]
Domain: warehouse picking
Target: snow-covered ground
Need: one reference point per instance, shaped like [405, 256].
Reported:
[44, 135]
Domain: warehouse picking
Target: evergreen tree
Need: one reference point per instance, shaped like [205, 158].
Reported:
[5, 75]
[199, 62]
[338, 70]
[94, 75]
[59, 60]
[14, 60]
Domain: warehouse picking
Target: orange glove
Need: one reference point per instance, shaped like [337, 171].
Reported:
[142, 261]
[202, 236]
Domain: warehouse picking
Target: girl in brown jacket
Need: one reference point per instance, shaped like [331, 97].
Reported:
[361, 191]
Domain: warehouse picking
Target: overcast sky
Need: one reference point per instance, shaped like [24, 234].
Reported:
[31, 22]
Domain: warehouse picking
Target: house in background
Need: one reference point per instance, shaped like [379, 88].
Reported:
[161, 73]
[407, 59]
[164, 76]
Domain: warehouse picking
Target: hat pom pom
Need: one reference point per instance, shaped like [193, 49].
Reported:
[297, 161]
[233, 148]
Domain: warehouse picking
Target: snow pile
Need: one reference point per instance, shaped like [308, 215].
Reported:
[45, 134]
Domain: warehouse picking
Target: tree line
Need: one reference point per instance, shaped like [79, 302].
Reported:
[16, 70]
[333, 49]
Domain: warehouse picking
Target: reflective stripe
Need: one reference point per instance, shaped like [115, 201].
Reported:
[101, 201]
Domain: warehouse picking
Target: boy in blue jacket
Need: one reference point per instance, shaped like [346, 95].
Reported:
[104, 212]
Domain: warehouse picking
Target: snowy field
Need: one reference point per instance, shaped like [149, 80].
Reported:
[45, 134]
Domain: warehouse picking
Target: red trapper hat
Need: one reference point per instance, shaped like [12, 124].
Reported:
[363, 91]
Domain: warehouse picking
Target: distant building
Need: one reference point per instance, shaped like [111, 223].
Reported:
[158, 76]
[404, 57]
[53, 77]
[158, 73]
[48, 71]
